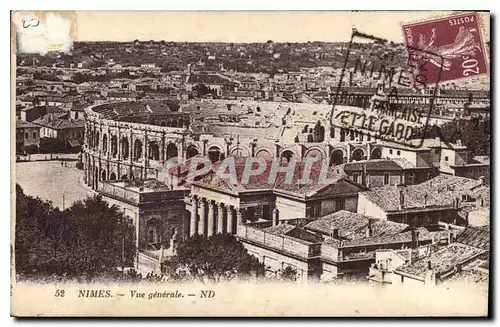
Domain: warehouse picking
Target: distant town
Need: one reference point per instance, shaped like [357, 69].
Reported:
[408, 194]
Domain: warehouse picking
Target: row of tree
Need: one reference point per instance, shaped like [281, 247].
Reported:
[91, 239]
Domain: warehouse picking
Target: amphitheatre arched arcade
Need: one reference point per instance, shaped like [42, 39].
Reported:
[132, 140]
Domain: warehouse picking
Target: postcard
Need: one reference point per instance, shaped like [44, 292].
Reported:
[250, 163]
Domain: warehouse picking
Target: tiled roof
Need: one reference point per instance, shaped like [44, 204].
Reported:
[482, 192]
[380, 227]
[478, 237]
[374, 164]
[454, 183]
[281, 229]
[439, 191]
[469, 276]
[353, 225]
[443, 260]
[405, 237]
[59, 123]
[25, 124]
[404, 163]
[301, 234]
[335, 185]
[345, 221]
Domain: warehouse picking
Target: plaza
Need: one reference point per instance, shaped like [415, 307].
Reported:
[51, 181]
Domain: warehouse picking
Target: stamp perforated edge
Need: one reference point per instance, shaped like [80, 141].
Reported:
[482, 34]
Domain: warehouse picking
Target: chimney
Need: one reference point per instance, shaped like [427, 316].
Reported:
[401, 200]
[276, 217]
[335, 233]
[414, 239]
[369, 228]
[430, 276]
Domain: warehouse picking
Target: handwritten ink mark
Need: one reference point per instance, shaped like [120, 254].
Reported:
[30, 22]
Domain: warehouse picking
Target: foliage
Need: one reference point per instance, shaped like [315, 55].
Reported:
[219, 257]
[201, 90]
[53, 145]
[87, 240]
[288, 274]
[473, 133]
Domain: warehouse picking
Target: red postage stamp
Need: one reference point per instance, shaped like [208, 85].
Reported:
[444, 49]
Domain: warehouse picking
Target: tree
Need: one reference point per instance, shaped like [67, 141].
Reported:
[201, 89]
[218, 257]
[474, 133]
[87, 240]
[288, 274]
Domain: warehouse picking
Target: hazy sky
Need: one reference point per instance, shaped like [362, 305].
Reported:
[244, 26]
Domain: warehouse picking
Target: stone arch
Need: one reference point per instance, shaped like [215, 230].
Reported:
[163, 123]
[125, 147]
[172, 150]
[124, 177]
[263, 153]
[315, 152]
[215, 153]
[138, 149]
[154, 151]
[174, 123]
[376, 153]
[337, 157]
[103, 175]
[104, 143]
[240, 152]
[112, 176]
[191, 151]
[358, 154]
[287, 155]
[114, 146]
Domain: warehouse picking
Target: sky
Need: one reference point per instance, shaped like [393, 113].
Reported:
[245, 26]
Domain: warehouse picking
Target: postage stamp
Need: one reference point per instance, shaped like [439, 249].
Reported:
[454, 43]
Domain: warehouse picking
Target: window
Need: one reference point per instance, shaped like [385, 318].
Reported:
[355, 177]
[411, 179]
[152, 235]
[316, 209]
[399, 153]
[26, 135]
[266, 211]
[386, 178]
[339, 204]
[390, 151]
[34, 135]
